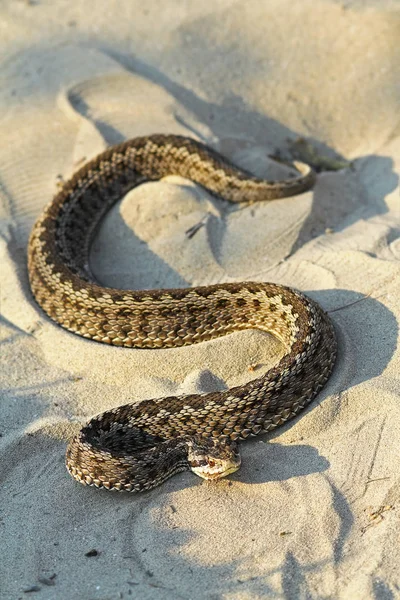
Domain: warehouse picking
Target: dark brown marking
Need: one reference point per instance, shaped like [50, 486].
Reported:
[222, 302]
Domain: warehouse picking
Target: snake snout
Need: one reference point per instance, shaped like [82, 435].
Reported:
[212, 458]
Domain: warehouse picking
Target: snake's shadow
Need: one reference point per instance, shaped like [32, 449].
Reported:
[264, 462]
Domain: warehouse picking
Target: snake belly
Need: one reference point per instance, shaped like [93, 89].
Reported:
[137, 446]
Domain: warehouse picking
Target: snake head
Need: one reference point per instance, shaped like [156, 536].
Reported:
[213, 458]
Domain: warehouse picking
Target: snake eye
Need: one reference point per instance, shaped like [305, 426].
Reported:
[211, 463]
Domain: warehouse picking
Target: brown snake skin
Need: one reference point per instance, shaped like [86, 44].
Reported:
[137, 446]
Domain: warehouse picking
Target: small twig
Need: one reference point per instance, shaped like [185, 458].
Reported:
[254, 366]
[195, 228]
[376, 516]
[377, 479]
[354, 302]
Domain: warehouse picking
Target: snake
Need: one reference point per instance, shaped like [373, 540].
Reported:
[137, 446]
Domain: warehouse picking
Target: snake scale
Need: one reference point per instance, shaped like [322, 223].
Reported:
[137, 446]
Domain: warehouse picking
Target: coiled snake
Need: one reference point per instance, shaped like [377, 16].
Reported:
[137, 446]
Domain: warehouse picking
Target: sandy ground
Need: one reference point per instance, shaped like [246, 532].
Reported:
[314, 511]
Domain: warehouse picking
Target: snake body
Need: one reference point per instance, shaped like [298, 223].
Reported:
[137, 446]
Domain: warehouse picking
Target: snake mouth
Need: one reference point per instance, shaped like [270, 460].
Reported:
[216, 470]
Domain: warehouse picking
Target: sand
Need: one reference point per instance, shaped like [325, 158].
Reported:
[314, 510]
